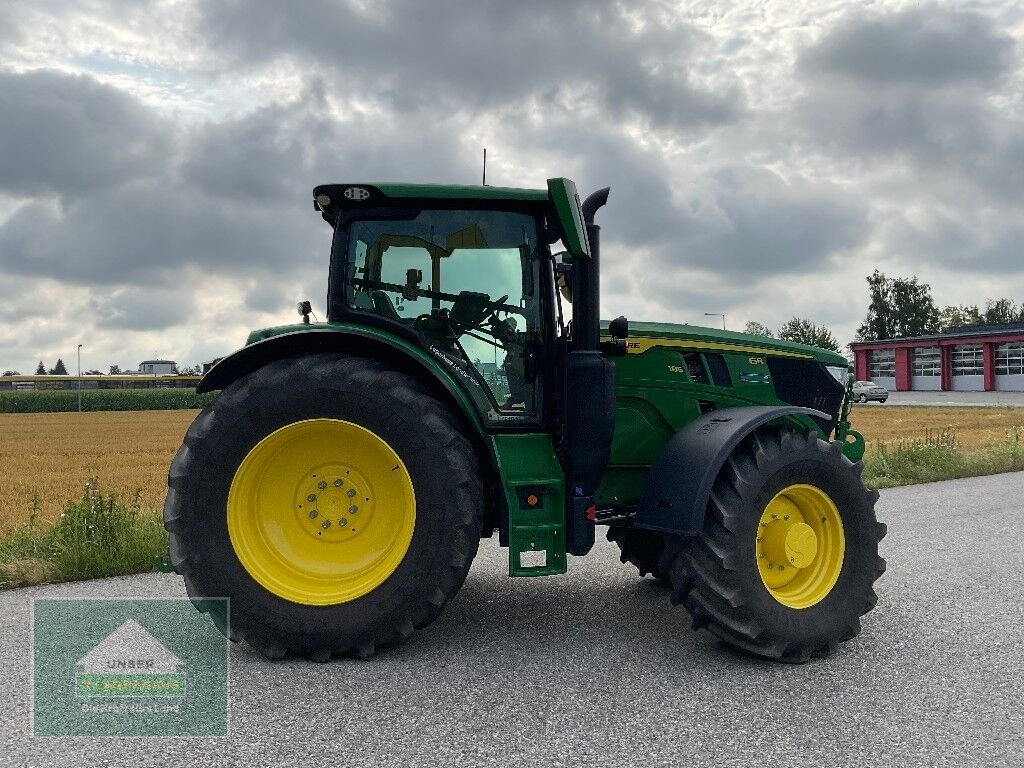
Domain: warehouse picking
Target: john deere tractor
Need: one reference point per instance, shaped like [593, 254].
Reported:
[461, 385]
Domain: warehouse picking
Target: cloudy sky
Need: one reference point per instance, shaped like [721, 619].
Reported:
[157, 158]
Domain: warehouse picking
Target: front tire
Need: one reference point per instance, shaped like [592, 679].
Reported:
[332, 499]
[788, 554]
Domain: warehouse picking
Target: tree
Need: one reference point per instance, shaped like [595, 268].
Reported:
[755, 328]
[59, 369]
[40, 369]
[194, 370]
[957, 317]
[115, 369]
[805, 332]
[899, 307]
[93, 373]
[1002, 311]
[11, 373]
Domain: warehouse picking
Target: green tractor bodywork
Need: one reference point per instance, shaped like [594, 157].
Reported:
[463, 375]
[666, 376]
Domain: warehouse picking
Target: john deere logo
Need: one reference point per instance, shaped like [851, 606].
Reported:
[129, 662]
[357, 193]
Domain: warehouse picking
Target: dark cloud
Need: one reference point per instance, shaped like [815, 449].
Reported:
[927, 46]
[141, 309]
[69, 135]
[918, 86]
[467, 55]
[9, 31]
[719, 217]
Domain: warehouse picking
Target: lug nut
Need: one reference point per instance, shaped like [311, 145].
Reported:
[353, 509]
[351, 492]
[321, 485]
[337, 483]
[312, 514]
[343, 522]
[311, 497]
[325, 524]
[786, 517]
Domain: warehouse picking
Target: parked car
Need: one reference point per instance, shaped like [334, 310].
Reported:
[868, 390]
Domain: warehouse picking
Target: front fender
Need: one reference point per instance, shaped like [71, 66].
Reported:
[678, 486]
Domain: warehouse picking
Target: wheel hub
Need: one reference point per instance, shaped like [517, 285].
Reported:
[321, 511]
[800, 545]
[333, 503]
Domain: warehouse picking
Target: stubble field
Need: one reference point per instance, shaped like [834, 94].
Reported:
[51, 455]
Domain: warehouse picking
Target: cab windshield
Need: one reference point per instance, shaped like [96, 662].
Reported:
[466, 280]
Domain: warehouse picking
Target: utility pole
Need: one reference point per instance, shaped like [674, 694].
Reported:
[717, 314]
[79, 378]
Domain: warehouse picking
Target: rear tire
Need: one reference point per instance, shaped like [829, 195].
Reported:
[431, 562]
[642, 549]
[717, 575]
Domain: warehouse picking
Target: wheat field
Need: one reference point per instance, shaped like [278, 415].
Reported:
[54, 454]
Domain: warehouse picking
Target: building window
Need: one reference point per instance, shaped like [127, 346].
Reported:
[926, 361]
[1010, 359]
[883, 363]
[968, 360]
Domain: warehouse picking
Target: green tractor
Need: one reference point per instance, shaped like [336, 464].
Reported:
[338, 487]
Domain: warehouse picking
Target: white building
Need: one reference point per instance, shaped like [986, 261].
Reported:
[158, 367]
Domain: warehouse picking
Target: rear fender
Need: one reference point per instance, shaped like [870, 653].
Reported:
[678, 486]
[345, 340]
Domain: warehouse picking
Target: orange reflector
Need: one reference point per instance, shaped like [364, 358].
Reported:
[532, 500]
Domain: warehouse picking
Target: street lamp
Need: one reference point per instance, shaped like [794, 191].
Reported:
[79, 378]
[717, 314]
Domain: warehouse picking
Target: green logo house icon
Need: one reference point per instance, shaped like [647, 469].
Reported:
[129, 667]
[130, 663]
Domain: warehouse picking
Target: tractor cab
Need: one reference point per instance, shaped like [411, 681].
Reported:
[470, 280]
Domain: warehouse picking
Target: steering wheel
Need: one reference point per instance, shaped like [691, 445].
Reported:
[471, 310]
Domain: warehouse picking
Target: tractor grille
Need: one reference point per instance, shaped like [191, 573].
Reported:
[806, 383]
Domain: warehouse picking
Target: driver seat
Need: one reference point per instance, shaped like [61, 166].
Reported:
[383, 305]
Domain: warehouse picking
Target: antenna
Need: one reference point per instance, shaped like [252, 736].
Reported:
[485, 167]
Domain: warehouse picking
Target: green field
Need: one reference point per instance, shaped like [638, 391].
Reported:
[65, 400]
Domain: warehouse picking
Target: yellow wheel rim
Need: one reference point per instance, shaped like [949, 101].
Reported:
[800, 546]
[321, 512]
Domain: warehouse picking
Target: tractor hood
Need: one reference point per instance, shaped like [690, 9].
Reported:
[741, 342]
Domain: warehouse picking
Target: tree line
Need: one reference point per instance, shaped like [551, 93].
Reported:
[899, 306]
[902, 306]
[59, 369]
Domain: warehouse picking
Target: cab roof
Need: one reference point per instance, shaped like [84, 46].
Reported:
[332, 198]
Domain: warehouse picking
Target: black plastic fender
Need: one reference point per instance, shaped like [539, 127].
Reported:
[679, 483]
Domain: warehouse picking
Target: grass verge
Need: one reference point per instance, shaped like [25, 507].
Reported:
[97, 535]
[939, 456]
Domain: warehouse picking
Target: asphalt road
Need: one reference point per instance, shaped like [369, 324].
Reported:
[1008, 399]
[597, 668]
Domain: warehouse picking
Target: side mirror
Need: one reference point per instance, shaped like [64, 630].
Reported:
[619, 328]
[305, 309]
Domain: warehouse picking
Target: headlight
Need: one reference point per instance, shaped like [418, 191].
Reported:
[839, 373]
